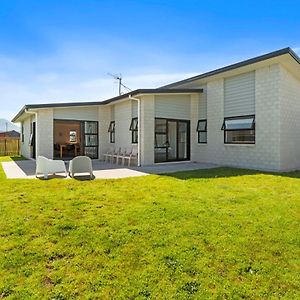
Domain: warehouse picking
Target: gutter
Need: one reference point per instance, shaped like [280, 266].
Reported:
[139, 127]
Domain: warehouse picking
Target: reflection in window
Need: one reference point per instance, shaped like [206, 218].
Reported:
[202, 131]
[239, 130]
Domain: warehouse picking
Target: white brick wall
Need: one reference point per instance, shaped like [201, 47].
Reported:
[25, 147]
[123, 119]
[147, 130]
[289, 121]
[104, 118]
[265, 154]
[44, 133]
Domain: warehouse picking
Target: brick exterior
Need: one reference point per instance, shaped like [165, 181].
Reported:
[289, 121]
[44, 133]
[277, 110]
[147, 130]
[265, 154]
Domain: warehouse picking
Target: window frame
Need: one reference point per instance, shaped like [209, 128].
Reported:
[134, 130]
[22, 133]
[239, 129]
[112, 131]
[201, 131]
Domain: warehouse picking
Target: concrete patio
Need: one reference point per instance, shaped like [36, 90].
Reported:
[25, 169]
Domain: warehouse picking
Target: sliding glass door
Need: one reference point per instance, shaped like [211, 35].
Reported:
[172, 140]
[91, 139]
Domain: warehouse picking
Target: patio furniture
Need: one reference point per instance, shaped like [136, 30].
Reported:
[81, 164]
[69, 147]
[132, 156]
[48, 166]
[116, 154]
[109, 154]
[121, 155]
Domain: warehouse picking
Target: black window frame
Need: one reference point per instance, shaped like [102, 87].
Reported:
[22, 133]
[134, 130]
[201, 131]
[112, 132]
[252, 128]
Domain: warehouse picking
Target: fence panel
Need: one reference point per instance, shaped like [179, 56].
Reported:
[9, 146]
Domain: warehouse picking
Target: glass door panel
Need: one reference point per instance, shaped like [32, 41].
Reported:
[91, 139]
[182, 140]
[172, 140]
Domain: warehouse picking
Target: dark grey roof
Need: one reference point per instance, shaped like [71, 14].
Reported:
[133, 93]
[247, 62]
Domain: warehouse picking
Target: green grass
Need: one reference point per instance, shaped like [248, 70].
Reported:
[220, 234]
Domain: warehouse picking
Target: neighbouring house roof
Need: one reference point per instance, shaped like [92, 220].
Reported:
[11, 133]
[244, 63]
[108, 101]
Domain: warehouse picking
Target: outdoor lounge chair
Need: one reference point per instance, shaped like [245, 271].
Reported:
[133, 155]
[81, 164]
[48, 166]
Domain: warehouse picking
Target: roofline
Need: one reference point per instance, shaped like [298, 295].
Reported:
[244, 63]
[108, 101]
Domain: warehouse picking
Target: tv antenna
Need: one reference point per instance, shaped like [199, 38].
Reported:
[118, 77]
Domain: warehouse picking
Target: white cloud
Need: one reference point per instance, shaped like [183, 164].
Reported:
[297, 50]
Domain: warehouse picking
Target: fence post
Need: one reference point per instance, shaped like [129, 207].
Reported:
[5, 147]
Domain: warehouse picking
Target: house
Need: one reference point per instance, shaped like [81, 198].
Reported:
[10, 134]
[243, 115]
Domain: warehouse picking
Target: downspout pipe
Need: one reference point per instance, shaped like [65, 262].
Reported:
[139, 128]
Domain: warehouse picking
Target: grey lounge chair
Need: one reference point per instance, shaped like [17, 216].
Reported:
[81, 164]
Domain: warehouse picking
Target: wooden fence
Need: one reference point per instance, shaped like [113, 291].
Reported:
[9, 146]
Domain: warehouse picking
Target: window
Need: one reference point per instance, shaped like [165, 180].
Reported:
[22, 133]
[111, 130]
[134, 131]
[239, 130]
[202, 131]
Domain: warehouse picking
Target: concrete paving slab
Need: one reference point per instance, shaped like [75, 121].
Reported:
[26, 169]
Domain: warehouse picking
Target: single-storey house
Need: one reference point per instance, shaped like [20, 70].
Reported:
[243, 115]
[10, 134]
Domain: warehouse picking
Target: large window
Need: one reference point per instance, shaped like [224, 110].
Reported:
[111, 130]
[134, 130]
[202, 131]
[239, 130]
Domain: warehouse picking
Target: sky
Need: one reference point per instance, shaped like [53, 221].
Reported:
[62, 51]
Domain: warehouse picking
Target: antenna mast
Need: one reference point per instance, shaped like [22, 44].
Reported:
[119, 79]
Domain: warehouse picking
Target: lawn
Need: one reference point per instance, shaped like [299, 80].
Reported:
[208, 234]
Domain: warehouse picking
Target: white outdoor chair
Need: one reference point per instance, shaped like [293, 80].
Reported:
[115, 155]
[121, 155]
[109, 155]
[48, 166]
[81, 164]
[132, 156]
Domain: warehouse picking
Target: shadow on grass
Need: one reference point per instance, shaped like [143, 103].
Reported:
[224, 172]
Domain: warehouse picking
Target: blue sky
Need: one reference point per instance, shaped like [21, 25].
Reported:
[56, 51]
